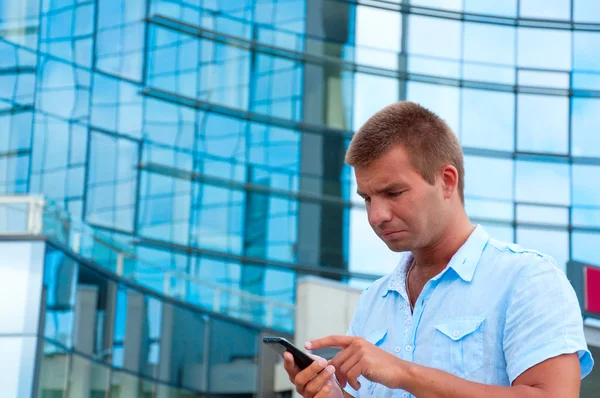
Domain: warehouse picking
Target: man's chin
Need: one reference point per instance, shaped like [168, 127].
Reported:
[398, 246]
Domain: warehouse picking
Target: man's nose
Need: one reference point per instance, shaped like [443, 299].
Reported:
[379, 212]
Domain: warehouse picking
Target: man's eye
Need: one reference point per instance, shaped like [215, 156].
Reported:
[395, 194]
[367, 199]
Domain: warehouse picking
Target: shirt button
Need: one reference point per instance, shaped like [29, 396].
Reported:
[409, 348]
[456, 333]
[397, 349]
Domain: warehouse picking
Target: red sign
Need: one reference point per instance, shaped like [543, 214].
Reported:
[592, 289]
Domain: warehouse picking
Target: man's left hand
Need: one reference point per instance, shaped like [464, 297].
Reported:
[359, 357]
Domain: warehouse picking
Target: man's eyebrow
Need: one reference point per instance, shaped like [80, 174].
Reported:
[392, 187]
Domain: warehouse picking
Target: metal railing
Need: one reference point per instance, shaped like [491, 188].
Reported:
[36, 216]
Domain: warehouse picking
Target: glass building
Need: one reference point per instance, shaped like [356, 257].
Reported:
[204, 139]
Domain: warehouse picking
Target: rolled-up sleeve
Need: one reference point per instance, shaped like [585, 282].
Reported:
[543, 320]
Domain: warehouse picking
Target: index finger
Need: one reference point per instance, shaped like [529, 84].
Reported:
[329, 341]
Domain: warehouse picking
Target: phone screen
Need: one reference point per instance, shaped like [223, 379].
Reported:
[281, 345]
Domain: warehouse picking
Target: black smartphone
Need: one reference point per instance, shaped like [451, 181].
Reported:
[281, 345]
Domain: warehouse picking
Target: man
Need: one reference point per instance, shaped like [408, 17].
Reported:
[463, 315]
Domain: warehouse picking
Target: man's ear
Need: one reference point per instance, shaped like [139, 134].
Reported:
[449, 180]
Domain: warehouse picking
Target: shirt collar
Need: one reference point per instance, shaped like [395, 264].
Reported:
[463, 262]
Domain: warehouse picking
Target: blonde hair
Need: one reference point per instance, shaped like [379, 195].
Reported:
[427, 138]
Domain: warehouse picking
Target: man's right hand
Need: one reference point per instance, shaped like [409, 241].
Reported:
[316, 381]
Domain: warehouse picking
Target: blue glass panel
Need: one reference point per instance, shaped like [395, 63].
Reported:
[278, 87]
[585, 247]
[553, 243]
[20, 25]
[218, 219]
[545, 9]
[585, 140]
[165, 205]
[58, 92]
[586, 185]
[487, 119]
[120, 37]
[116, 106]
[547, 134]
[489, 43]
[586, 11]
[544, 48]
[453, 5]
[60, 280]
[289, 15]
[112, 181]
[586, 47]
[543, 214]
[507, 8]
[435, 37]
[543, 182]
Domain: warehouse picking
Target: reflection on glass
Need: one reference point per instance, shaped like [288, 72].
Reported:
[60, 277]
[126, 385]
[54, 371]
[233, 351]
[87, 378]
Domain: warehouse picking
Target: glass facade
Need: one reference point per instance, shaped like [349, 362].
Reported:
[97, 335]
[208, 136]
[211, 133]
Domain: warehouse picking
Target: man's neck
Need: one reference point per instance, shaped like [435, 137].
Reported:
[437, 256]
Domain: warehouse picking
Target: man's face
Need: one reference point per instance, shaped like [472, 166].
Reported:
[404, 210]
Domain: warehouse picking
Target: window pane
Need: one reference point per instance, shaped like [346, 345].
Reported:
[488, 119]
[371, 94]
[585, 138]
[586, 185]
[542, 215]
[112, 181]
[585, 247]
[368, 253]
[434, 37]
[452, 5]
[488, 209]
[544, 48]
[553, 243]
[543, 79]
[441, 99]
[586, 11]
[545, 9]
[371, 25]
[543, 182]
[547, 133]
[586, 50]
[218, 221]
[507, 8]
[489, 43]
[488, 178]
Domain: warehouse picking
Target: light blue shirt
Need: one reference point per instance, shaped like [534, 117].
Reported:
[494, 312]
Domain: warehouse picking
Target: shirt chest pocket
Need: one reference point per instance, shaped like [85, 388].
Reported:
[377, 338]
[458, 345]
